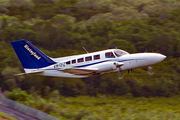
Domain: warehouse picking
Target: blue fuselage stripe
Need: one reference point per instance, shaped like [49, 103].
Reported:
[102, 62]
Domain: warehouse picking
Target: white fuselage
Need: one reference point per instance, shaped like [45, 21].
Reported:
[100, 62]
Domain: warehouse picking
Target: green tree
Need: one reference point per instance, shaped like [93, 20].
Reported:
[19, 95]
[10, 79]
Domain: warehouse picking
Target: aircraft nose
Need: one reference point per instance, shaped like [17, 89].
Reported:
[160, 57]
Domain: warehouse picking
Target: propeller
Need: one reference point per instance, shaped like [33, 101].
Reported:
[121, 76]
[118, 65]
[150, 71]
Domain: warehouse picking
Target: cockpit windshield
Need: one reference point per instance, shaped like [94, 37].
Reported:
[119, 53]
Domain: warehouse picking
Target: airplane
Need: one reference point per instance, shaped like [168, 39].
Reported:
[80, 66]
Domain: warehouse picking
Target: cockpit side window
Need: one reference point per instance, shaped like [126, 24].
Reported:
[109, 55]
[119, 53]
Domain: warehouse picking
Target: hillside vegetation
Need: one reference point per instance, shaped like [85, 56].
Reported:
[103, 107]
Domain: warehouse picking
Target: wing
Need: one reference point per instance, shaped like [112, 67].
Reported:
[97, 69]
[82, 71]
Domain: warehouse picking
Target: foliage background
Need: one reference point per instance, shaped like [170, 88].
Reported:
[60, 27]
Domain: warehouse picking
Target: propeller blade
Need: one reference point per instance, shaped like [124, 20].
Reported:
[121, 76]
[150, 71]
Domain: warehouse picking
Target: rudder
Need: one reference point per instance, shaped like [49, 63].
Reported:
[30, 56]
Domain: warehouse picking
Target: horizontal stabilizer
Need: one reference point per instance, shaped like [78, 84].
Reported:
[33, 72]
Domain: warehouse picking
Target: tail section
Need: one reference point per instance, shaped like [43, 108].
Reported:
[30, 56]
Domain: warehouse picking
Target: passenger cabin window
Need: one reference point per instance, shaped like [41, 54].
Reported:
[88, 58]
[73, 61]
[109, 55]
[80, 60]
[96, 57]
[68, 62]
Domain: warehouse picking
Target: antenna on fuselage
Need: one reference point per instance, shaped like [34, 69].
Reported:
[85, 49]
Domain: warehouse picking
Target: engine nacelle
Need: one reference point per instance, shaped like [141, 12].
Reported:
[107, 66]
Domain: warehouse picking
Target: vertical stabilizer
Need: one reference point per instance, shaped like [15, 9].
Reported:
[30, 56]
